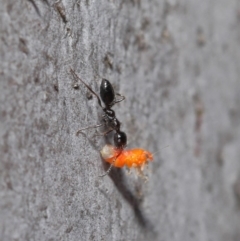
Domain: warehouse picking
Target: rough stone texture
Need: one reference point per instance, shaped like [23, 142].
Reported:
[177, 63]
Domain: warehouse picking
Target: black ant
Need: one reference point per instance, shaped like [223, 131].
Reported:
[107, 95]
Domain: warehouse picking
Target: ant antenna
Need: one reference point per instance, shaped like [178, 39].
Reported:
[160, 150]
[89, 88]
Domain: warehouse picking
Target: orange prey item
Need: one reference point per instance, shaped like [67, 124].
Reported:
[130, 158]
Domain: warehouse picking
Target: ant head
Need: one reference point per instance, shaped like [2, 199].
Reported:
[107, 92]
[120, 139]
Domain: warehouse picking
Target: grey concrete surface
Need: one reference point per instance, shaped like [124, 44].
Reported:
[178, 65]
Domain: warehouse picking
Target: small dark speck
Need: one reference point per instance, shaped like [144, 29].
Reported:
[61, 10]
[69, 229]
[76, 86]
[89, 96]
[36, 80]
[23, 46]
[55, 86]
[69, 32]
[107, 61]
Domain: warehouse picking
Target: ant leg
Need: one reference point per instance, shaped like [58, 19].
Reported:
[89, 127]
[121, 99]
[89, 88]
[108, 170]
[104, 133]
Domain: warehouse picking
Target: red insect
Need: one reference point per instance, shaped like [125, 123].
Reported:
[137, 158]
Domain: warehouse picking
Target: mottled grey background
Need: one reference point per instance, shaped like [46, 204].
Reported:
[177, 63]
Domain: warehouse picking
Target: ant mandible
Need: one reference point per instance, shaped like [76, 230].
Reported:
[108, 97]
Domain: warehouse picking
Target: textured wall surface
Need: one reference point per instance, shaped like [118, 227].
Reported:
[178, 65]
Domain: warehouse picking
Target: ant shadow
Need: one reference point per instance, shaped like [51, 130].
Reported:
[119, 179]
